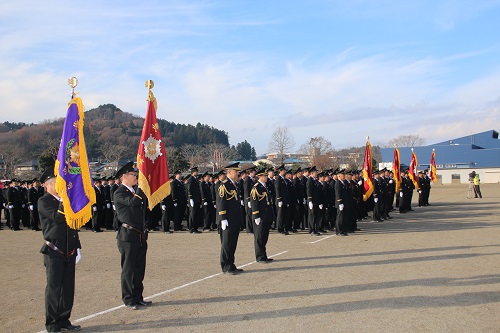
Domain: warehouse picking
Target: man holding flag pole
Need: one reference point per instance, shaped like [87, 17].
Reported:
[130, 202]
[65, 208]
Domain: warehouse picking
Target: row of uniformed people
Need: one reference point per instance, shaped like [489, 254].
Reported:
[304, 199]
[19, 201]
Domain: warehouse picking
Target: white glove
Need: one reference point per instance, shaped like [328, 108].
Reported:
[375, 200]
[205, 203]
[341, 207]
[23, 205]
[175, 204]
[401, 194]
[420, 191]
[94, 209]
[78, 256]
[114, 208]
[280, 203]
[4, 205]
[108, 206]
[320, 206]
[215, 206]
[224, 224]
[242, 203]
[360, 182]
[10, 206]
[304, 201]
[391, 181]
[30, 207]
[257, 221]
[163, 207]
[191, 202]
[249, 205]
[310, 205]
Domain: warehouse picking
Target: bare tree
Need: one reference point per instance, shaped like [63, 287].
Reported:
[12, 155]
[219, 155]
[193, 154]
[281, 142]
[316, 146]
[112, 153]
[410, 140]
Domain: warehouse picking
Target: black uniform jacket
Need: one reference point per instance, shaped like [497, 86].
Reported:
[230, 207]
[261, 203]
[281, 190]
[130, 210]
[54, 227]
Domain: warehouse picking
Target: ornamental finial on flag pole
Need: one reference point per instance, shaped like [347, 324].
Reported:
[151, 97]
[72, 82]
[367, 138]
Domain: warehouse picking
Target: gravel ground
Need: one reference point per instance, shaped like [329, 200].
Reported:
[432, 270]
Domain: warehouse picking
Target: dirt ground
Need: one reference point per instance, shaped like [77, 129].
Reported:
[436, 269]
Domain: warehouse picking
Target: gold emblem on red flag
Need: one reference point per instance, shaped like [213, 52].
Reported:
[152, 148]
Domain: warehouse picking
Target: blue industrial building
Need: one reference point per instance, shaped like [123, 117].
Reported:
[472, 152]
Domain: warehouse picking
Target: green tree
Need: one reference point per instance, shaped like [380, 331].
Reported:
[176, 160]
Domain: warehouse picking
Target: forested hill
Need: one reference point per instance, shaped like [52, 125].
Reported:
[105, 125]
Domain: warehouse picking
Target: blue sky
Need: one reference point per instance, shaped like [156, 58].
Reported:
[338, 69]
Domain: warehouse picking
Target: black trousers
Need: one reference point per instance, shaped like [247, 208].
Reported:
[207, 216]
[229, 241]
[261, 236]
[248, 217]
[314, 218]
[179, 212]
[195, 215]
[59, 292]
[282, 218]
[133, 263]
[34, 218]
[339, 222]
[15, 217]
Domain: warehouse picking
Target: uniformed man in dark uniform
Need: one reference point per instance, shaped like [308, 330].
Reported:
[272, 192]
[108, 208]
[60, 250]
[313, 201]
[229, 218]
[282, 220]
[33, 196]
[25, 213]
[14, 203]
[5, 203]
[206, 199]
[97, 208]
[195, 205]
[300, 209]
[262, 215]
[248, 183]
[178, 193]
[132, 236]
[341, 199]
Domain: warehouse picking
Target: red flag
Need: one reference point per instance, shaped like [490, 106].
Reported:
[396, 168]
[367, 172]
[413, 169]
[152, 158]
[432, 171]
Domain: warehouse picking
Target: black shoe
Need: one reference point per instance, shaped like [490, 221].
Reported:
[71, 328]
[357, 229]
[230, 272]
[195, 231]
[315, 234]
[144, 303]
[169, 232]
[238, 270]
[265, 261]
[285, 233]
[132, 306]
[37, 229]
[97, 230]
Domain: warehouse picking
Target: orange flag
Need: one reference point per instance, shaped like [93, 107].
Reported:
[153, 176]
[413, 169]
[396, 168]
[367, 172]
[432, 171]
